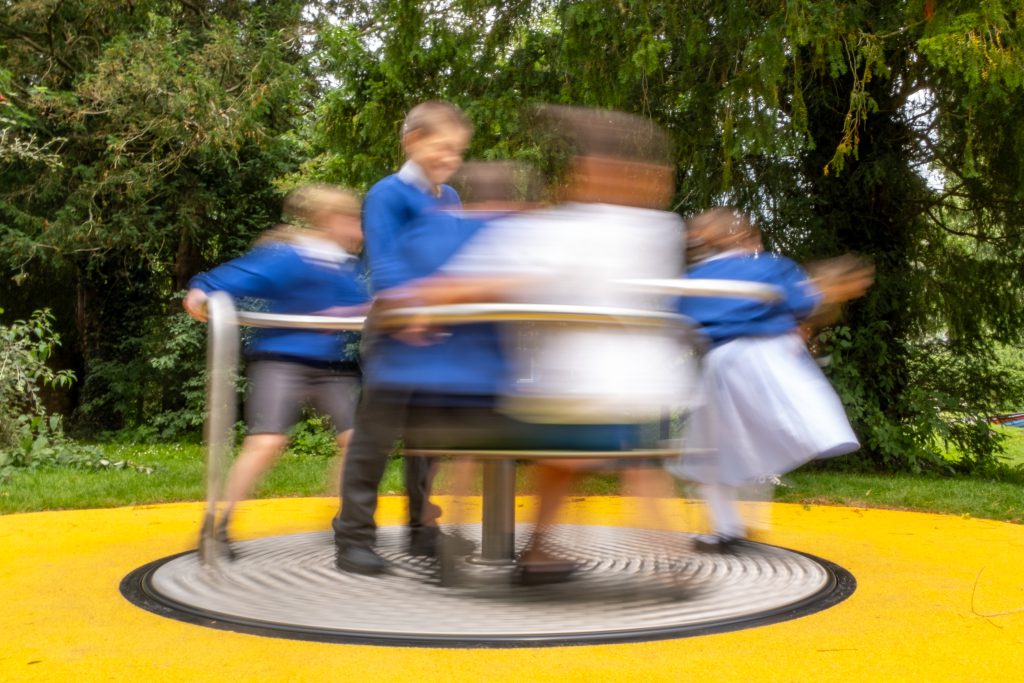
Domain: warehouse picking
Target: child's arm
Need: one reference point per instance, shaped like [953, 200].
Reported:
[344, 311]
[262, 273]
[837, 280]
[843, 278]
[383, 215]
[443, 289]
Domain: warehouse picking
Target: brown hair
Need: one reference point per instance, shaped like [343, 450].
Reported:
[606, 133]
[496, 181]
[433, 114]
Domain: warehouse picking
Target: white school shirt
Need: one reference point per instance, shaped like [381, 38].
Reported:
[573, 253]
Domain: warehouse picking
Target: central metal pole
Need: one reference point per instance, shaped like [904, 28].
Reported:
[498, 540]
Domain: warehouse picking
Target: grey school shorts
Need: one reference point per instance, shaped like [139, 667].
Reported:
[279, 389]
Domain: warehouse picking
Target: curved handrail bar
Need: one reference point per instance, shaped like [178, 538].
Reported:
[456, 314]
[223, 352]
[461, 314]
[528, 454]
[300, 322]
[733, 289]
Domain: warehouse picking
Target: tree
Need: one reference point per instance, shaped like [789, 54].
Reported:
[891, 129]
[144, 140]
[151, 134]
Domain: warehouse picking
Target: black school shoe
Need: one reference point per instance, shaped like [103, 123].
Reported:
[358, 559]
[719, 544]
[425, 540]
[543, 572]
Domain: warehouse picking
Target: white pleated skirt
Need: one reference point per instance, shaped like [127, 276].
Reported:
[767, 410]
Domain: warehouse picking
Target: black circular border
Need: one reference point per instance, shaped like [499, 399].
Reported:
[137, 588]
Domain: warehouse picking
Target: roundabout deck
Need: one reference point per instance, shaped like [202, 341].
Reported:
[938, 598]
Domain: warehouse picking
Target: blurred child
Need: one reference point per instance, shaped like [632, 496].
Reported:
[306, 266]
[767, 407]
[434, 137]
[591, 385]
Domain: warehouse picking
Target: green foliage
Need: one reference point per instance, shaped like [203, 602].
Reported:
[134, 155]
[29, 437]
[154, 387]
[853, 126]
[25, 347]
[313, 437]
[158, 140]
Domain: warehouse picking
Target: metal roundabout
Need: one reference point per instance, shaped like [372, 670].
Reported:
[633, 585]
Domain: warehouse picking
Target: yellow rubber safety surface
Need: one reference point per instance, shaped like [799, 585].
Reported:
[939, 598]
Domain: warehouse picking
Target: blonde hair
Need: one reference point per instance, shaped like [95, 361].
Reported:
[717, 230]
[303, 204]
[305, 201]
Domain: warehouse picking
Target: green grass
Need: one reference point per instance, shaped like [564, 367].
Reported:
[1014, 445]
[959, 496]
[1012, 442]
[178, 475]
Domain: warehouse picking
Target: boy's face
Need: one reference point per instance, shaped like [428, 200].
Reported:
[439, 152]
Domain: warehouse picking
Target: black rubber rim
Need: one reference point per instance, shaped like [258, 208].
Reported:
[137, 589]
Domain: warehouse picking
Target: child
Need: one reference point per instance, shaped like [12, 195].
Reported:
[306, 266]
[768, 409]
[591, 385]
[434, 137]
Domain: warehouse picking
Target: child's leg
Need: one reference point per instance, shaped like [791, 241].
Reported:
[553, 484]
[338, 463]
[554, 480]
[259, 452]
[723, 504]
[271, 407]
[419, 474]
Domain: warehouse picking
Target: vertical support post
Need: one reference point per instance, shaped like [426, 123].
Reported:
[498, 538]
[221, 409]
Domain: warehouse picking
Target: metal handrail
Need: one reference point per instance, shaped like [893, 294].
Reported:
[460, 314]
[456, 314]
[732, 289]
[300, 322]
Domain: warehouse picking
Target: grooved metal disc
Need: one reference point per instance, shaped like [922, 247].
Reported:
[632, 585]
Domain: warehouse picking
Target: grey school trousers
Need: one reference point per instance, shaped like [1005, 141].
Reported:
[381, 420]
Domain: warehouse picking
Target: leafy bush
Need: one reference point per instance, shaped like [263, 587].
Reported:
[944, 405]
[25, 346]
[313, 436]
[29, 437]
[153, 387]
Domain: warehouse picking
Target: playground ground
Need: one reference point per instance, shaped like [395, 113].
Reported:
[939, 598]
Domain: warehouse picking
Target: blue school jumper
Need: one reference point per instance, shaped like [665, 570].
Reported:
[301, 278]
[391, 208]
[466, 360]
[724, 319]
